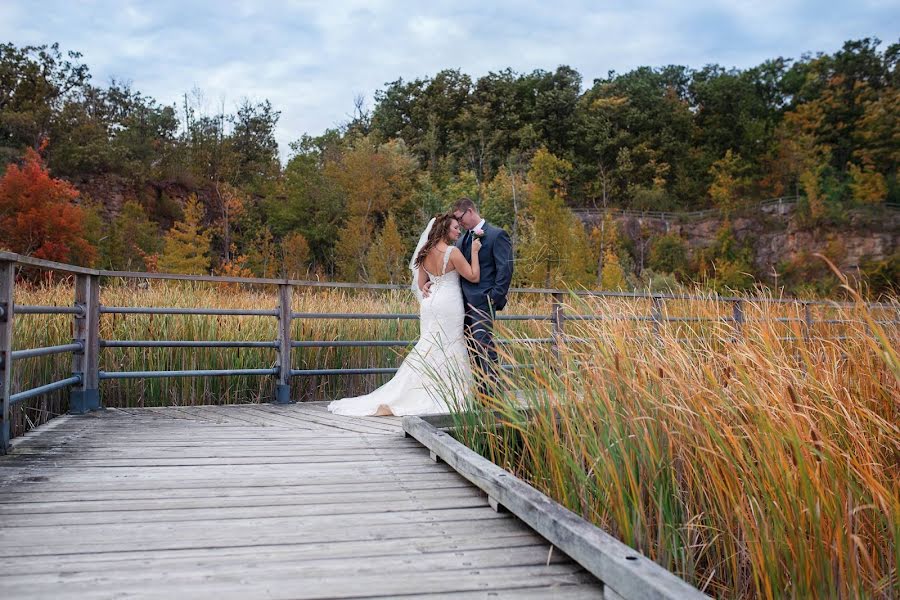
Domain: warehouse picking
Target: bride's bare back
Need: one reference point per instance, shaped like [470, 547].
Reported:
[434, 261]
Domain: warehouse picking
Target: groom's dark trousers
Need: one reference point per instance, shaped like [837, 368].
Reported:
[484, 298]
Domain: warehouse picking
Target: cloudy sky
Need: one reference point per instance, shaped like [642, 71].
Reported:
[311, 58]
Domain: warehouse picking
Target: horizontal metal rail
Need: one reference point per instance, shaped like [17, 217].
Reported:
[401, 343]
[25, 309]
[45, 389]
[366, 316]
[33, 352]
[346, 371]
[187, 373]
[373, 370]
[137, 310]
[183, 344]
[523, 318]
[353, 344]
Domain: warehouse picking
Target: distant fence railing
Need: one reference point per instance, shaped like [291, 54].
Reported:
[84, 350]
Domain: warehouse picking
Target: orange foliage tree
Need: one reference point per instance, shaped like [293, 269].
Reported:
[37, 217]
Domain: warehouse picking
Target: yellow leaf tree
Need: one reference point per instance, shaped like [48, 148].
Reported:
[387, 259]
[727, 181]
[295, 254]
[554, 250]
[186, 246]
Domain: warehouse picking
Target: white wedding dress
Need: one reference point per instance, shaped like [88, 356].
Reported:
[436, 373]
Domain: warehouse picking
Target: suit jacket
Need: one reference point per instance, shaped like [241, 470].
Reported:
[496, 263]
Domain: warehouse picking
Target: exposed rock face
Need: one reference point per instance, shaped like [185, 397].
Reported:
[164, 199]
[776, 236]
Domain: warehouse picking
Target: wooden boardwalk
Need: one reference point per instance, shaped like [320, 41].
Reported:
[256, 501]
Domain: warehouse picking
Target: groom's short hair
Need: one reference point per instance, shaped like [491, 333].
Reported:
[463, 204]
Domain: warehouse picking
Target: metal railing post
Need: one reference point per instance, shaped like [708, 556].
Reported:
[656, 315]
[558, 315]
[85, 396]
[7, 287]
[807, 321]
[737, 311]
[283, 385]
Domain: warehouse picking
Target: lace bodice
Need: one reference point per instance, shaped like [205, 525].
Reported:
[444, 274]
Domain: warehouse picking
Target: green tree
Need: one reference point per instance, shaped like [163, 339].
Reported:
[502, 199]
[131, 238]
[35, 82]
[186, 246]
[668, 254]
[309, 203]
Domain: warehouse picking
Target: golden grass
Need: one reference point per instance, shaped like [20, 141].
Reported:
[750, 465]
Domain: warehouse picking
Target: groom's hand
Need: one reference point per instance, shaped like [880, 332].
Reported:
[426, 289]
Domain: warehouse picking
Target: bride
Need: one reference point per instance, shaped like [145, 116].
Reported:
[437, 370]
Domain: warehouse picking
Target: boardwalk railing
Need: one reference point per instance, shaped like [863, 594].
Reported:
[86, 345]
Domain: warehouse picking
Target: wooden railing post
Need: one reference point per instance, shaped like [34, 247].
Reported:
[85, 396]
[283, 385]
[558, 315]
[7, 287]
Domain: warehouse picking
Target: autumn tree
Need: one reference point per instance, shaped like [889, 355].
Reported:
[502, 200]
[605, 239]
[374, 180]
[612, 276]
[262, 254]
[554, 250]
[186, 246]
[38, 217]
[295, 255]
[387, 257]
[727, 182]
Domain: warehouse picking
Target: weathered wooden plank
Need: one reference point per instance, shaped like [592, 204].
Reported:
[303, 583]
[80, 504]
[37, 500]
[620, 567]
[295, 552]
[350, 507]
[86, 483]
[272, 565]
[584, 591]
[178, 536]
[345, 423]
[254, 500]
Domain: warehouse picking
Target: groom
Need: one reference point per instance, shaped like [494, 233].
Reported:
[484, 298]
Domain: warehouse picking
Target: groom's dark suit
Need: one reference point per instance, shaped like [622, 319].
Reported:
[482, 299]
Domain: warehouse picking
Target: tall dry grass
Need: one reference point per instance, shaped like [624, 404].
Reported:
[32, 331]
[752, 465]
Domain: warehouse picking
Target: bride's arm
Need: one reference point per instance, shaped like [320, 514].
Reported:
[423, 279]
[472, 272]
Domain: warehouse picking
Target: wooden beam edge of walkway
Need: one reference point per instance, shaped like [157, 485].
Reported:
[623, 570]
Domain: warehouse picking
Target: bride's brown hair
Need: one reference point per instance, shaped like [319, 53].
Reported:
[440, 231]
